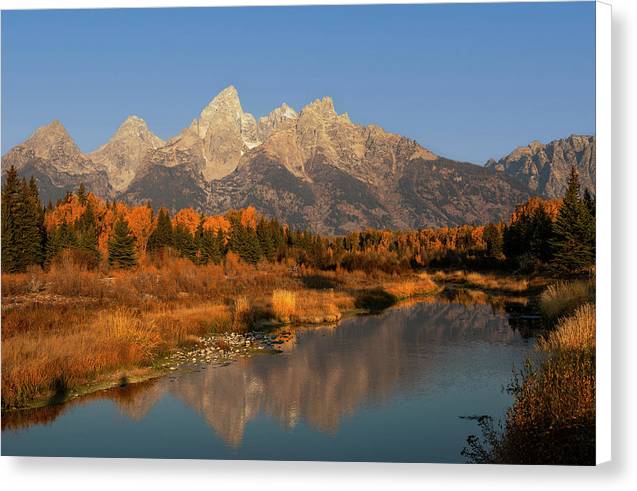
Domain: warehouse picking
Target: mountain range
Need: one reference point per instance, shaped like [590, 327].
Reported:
[314, 168]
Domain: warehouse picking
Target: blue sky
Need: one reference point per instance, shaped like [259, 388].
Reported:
[468, 81]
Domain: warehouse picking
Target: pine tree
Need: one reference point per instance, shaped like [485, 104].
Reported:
[540, 236]
[121, 247]
[184, 242]
[574, 231]
[87, 237]
[22, 224]
[589, 201]
[210, 246]
[493, 238]
[81, 194]
[62, 237]
[265, 235]
[162, 236]
[245, 242]
[35, 226]
[11, 209]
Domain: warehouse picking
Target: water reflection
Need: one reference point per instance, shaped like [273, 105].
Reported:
[327, 373]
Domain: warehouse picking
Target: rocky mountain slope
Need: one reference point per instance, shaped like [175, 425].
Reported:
[51, 156]
[544, 168]
[313, 168]
[122, 155]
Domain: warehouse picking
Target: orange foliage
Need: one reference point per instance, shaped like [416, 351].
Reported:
[140, 221]
[249, 217]
[551, 207]
[214, 223]
[68, 212]
[187, 217]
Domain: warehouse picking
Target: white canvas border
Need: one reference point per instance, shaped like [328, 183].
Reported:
[603, 13]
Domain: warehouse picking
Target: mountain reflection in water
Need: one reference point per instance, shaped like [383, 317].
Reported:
[326, 374]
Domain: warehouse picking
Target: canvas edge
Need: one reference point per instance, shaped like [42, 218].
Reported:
[603, 15]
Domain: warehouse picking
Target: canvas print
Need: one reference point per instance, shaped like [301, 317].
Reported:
[342, 233]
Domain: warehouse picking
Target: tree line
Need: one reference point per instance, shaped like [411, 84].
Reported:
[556, 234]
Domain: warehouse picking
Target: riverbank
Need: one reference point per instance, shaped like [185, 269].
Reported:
[552, 420]
[68, 331]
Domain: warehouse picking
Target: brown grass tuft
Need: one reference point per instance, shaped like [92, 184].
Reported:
[483, 280]
[563, 297]
[572, 333]
[283, 305]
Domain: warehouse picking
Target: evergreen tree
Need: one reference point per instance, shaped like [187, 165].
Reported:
[211, 247]
[574, 231]
[540, 235]
[245, 242]
[162, 236]
[121, 247]
[87, 237]
[184, 242]
[35, 224]
[493, 238]
[589, 201]
[265, 234]
[22, 224]
[81, 194]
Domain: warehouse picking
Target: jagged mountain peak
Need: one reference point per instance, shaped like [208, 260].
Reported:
[52, 141]
[225, 104]
[544, 167]
[323, 106]
[283, 111]
[277, 118]
[124, 153]
[55, 129]
[51, 156]
[135, 128]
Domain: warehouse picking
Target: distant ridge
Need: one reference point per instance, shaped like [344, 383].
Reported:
[312, 168]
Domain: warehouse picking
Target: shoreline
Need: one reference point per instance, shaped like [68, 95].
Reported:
[162, 366]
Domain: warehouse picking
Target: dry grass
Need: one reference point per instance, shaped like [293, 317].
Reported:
[552, 420]
[422, 285]
[70, 326]
[483, 280]
[38, 362]
[283, 305]
[17, 284]
[242, 314]
[306, 307]
[572, 333]
[316, 307]
[563, 297]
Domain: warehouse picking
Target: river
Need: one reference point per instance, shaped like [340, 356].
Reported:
[393, 387]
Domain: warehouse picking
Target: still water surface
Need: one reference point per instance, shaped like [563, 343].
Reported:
[389, 387]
